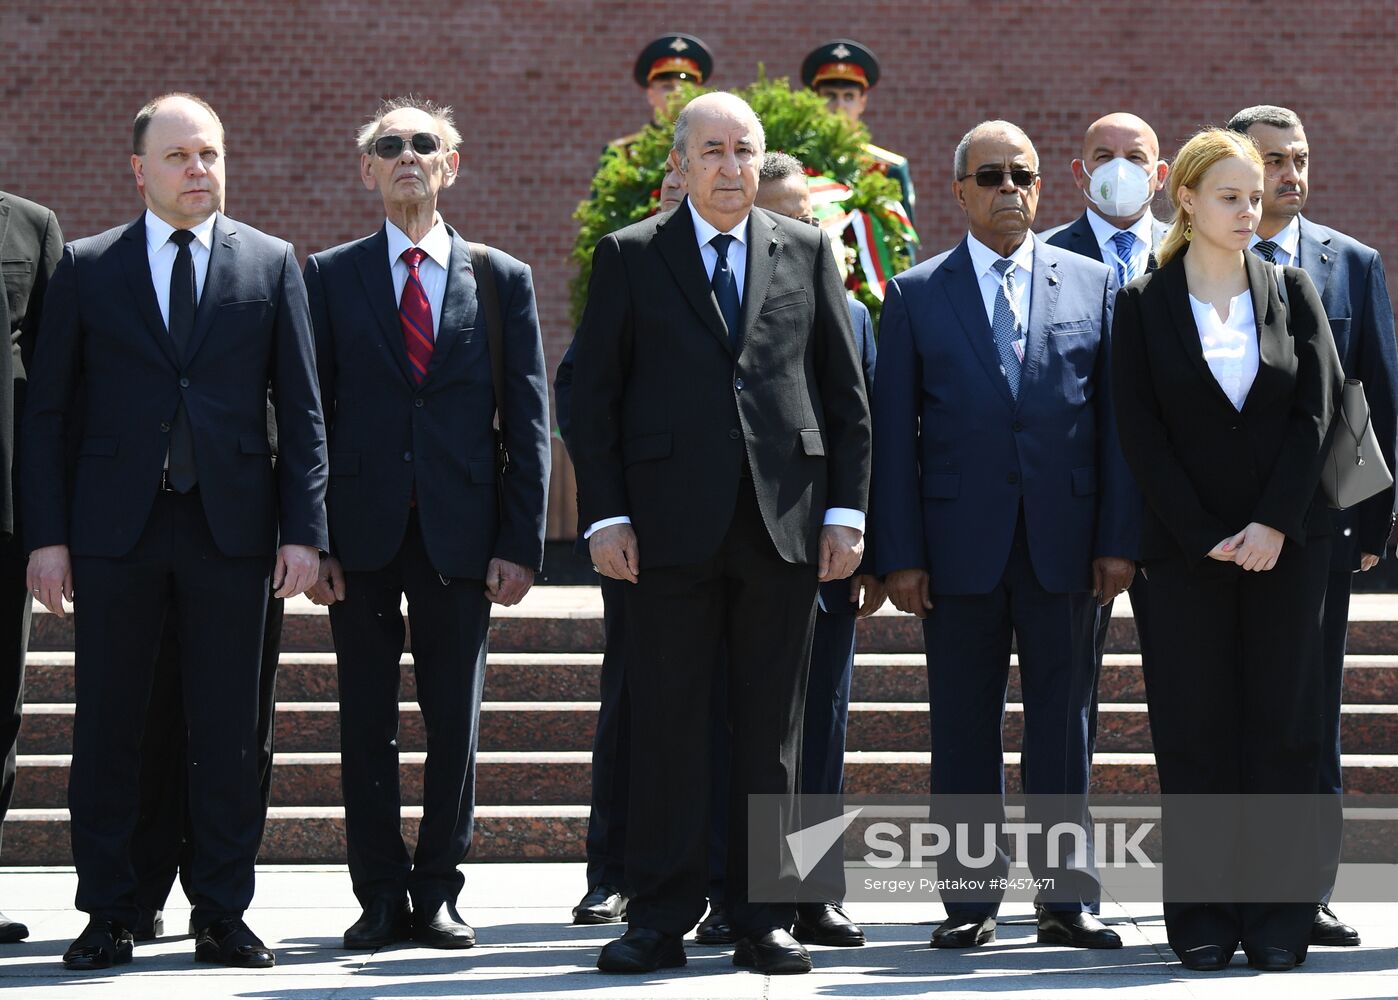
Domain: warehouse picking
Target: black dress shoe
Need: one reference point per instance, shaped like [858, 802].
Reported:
[385, 919]
[1076, 930]
[963, 930]
[642, 950]
[101, 945]
[826, 923]
[772, 953]
[12, 930]
[441, 926]
[1272, 960]
[715, 928]
[232, 943]
[150, 924]
[1205, 958]
[603, 904]
[1330, 931]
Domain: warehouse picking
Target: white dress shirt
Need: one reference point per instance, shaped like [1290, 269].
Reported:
[1230, 346]
[983, 261]
[738, 261]
[433, 269]
[160, 252]
[1288, 243]
[1144, 231]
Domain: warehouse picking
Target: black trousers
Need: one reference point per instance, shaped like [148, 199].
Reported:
[1336, 631]
[824, 729]
[161, 844]
[219, 604]
[1140, 610]
[968, 663]
[1234, 686]
[450, 619]
[14, 642]
[611, 751]
[680, 620]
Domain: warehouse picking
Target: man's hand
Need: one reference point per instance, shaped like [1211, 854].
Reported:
[329, 587]
[909, 591]
[874, 593]
[1367, 561]
[1255, 548]
[841, 549]
[615, 552]
[506, 583]
[297, 569]
[1110, 576]
[50, 577]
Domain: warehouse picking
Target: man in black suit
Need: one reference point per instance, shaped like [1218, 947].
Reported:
[158, 345]
[722, 448]
[419, 507]
[1354, 291]
[30, 245]
[1119, 174]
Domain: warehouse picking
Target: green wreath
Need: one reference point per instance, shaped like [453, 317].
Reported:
[856, 201]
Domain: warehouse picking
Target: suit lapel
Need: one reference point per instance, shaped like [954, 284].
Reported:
[679, 248]
[1084, 240]
[963, 289]
[1044, 287]
[1177, 295]
[136, 262]
[459, 303]
[378, 291]
[764, 250]
[1266, 316]
[223, 265]
[1315, 256]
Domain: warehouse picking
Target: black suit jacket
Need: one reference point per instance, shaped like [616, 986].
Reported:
[30, 245]
[1079, 237]
[107, 373]
[664, 412]
[1206, 469]
[389, 435]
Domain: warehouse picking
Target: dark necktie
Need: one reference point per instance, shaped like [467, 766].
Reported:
[1125, 242]
[183, 473]
[1266, 249]
[726, 288]
[415, 316]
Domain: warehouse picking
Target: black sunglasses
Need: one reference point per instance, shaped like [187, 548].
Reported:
[391, 146]
[990, 177]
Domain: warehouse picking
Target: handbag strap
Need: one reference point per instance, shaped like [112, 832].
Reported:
[489, 296]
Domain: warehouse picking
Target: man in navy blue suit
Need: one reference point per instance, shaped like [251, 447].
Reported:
[419, 507]
[160, 339]
[1350, 279]
[1002, 505]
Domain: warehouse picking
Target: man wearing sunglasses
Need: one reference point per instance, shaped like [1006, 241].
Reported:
[1002, 505]
[159, 342]
[420, 508]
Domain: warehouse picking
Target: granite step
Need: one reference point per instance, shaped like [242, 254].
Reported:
[316, 835]
[1369, 679]
[310, 727]
[532, 777]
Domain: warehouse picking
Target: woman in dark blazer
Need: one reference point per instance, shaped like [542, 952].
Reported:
[1225, 386]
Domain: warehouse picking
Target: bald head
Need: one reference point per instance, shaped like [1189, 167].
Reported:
[186, 106]
[718, 150]
[719, 109]
[1119, 131]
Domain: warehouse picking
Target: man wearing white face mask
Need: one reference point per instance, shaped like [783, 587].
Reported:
[1119, 174]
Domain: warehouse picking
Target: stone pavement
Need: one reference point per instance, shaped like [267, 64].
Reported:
[529, 950]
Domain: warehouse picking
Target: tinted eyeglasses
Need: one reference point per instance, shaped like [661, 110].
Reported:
[990, 177]
[391, 146]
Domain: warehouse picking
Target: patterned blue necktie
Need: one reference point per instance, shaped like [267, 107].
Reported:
[1003, 325]
[726, 288]
[1125, 242]
[1266, 249]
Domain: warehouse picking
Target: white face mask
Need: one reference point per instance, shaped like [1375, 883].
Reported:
[1119, 188]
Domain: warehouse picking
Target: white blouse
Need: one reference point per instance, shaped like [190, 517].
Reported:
[1230, 347]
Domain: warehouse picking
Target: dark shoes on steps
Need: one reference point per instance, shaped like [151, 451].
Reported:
[827, 924]
[232, 943]
[101, 945]
[1075, 929]
[386, 920]
[642, 950]
[603, 904]
[772, 953]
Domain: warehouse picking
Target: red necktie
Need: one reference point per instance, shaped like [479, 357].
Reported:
[415, 316]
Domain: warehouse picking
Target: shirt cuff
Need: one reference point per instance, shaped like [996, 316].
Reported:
[605, 523]
[846, 517]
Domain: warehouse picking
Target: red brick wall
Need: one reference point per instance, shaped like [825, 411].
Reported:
[540, 85]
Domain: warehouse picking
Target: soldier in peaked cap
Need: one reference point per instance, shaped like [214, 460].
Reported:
[662, 66]
[843, 72]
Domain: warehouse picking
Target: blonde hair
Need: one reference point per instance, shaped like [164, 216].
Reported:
[1198, 155]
